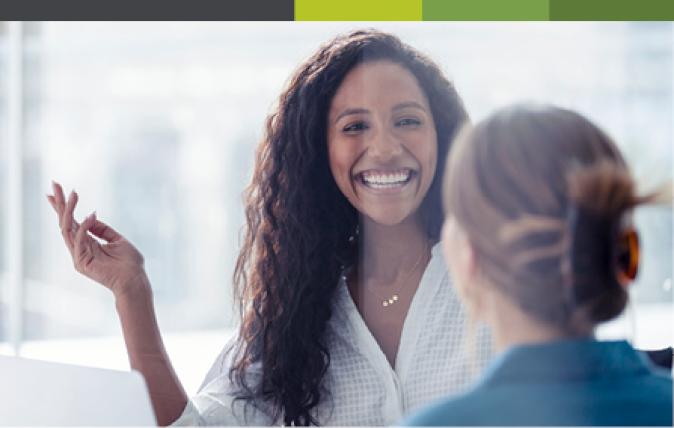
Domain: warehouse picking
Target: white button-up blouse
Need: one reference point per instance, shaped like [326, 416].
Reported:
[437, 356]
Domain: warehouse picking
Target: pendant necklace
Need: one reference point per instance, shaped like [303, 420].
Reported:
[395, 296]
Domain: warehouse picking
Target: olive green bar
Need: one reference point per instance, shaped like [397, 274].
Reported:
[358, 10]
[486, 10]
[612, 10]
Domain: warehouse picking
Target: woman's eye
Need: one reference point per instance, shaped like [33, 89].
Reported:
[408, 122]
[355, 127]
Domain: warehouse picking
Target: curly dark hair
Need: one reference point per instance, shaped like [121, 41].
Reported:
[298, 224]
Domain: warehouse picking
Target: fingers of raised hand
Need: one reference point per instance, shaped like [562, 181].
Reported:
[64, 210]
[103, 231]
[68, 225]
[83, 251]
[59, 198]
[52, 202]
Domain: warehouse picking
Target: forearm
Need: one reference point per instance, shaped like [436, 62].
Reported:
[147, 353]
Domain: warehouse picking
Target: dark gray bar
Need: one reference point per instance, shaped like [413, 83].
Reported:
[140, 10]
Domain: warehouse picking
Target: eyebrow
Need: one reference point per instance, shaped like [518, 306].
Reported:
[408, 104]
[401, 106]
[351, 111]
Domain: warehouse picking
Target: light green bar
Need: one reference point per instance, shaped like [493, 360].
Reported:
[486, 10]
[358, 10]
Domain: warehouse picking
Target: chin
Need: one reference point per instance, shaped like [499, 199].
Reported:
[388, 217]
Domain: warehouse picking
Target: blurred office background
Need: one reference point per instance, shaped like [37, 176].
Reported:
[155, 125]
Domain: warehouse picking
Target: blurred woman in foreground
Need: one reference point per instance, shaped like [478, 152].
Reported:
[539, 238]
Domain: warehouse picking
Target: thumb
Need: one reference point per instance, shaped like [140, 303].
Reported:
[103, 231]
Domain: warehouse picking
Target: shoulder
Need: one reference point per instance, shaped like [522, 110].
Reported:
[659, 382]
[223, 362]
[460, 410]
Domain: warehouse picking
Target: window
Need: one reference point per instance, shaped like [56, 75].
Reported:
[4, 84]
[155, 124]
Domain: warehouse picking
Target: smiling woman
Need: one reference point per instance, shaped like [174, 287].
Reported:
[382, 149]
[343, 211]
[347, 313]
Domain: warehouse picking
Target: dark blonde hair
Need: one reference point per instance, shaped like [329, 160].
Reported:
[542, 195]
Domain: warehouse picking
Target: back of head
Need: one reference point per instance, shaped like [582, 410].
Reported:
[544, 196]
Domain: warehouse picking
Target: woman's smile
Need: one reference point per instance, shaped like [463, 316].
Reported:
[386, 181]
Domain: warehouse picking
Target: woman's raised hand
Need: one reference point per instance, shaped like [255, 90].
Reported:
[115, 263]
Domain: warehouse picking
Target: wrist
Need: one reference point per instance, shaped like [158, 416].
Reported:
[135, 287]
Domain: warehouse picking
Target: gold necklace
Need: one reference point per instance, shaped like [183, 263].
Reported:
[386, 302]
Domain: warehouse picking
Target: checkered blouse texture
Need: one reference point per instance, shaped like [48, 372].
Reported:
[438, 356]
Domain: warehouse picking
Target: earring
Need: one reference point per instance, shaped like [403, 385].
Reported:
[627, 257]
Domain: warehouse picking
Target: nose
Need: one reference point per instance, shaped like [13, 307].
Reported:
[384, 146]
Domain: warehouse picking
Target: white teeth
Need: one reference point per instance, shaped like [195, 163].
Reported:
[379, 181]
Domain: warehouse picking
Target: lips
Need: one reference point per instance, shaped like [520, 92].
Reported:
[385, 179]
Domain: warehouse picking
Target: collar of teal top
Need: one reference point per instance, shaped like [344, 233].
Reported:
[566, 360]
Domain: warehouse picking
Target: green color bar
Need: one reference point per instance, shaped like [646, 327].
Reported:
[487, 10]
[612, 10]
[358, 10]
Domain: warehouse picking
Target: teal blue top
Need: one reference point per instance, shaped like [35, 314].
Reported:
[575, 382]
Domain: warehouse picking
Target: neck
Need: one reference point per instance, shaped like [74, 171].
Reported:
[389, 251]
[511, 326]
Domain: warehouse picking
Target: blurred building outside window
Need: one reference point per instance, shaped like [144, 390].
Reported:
[155, 125]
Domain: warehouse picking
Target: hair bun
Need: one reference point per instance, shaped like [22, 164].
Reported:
[600, 195]
[605, 189]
